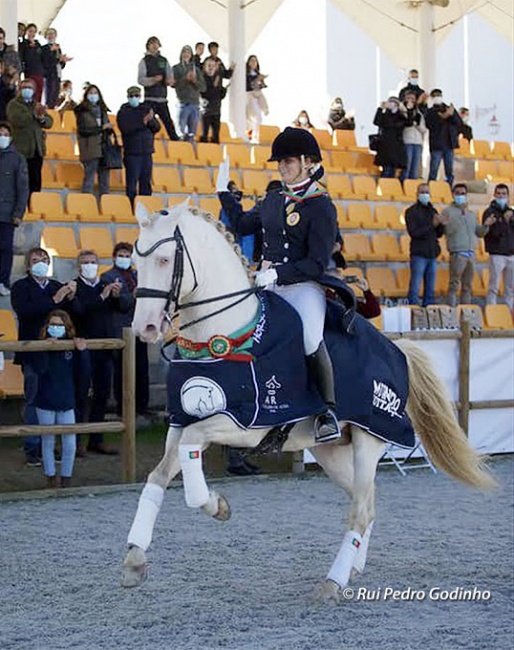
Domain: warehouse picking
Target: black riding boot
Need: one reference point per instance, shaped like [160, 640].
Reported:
[319, 365]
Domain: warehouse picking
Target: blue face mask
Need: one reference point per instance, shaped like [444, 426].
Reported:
[5, 141]
[133, 101]
[93, 98]
[56, 331]
[460, 199]
[39, 269]
[503, 202]
[424, 198]
[123, 263]
[27, 93]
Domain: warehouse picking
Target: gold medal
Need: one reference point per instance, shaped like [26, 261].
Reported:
[293, 219]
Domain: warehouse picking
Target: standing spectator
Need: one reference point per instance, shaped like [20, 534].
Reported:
[28, 119]
[8, 56]
[246, 242]
[92, 120]
[338, 119]
[155, 75]
[391, 121]
[54, 60]
[256, 104]
[7, 90]
[197, 58]
[14, 195]
[138, 125]
[499, 243]
[461, 228]
[225, 72]
[413, 134]
[22, 28]
[65, 100]
[303, 121]
[465, 128]
[413, 87]
[212, 96]
[122, 271]
[31, 56]
[189, 83]
[444, 125]
[33, 298]
[424, 228]
[55, 401]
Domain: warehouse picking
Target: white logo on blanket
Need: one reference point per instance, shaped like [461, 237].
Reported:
[385, 399]
[202, 397]
[270, 398]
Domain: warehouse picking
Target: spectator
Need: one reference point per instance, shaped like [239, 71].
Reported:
[197, 58]
[92, 120]
[424, 228]
[122, 271]
[138, 126]
[368, 305]
[338, 119]
[29, 119]
[65, 100]
[391, 119]
[22, 28]
[7, 90]
[33, 298]
[444, 125]
[413, 134]
[246, 242]
[465, 128]
[97, 303]
[155, 75]
[225, 72]
[460, 229]
[212, 97]
[499, 243]
[55, 400]
[9, 57]
[14, 195]
[256, 104]
[413, 87]
[53, 63]
[189, 83]
[31, 56]
[303, 121]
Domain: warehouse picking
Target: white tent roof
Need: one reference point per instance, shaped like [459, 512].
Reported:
[40, 12]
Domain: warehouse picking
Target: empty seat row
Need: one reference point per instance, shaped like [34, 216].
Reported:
[483, 149]
[495, 171]
[61, 241]
[366, 188]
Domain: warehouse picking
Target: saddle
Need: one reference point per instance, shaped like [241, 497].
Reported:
[344, 296]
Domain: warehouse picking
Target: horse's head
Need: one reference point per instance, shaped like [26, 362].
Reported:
[165, 271]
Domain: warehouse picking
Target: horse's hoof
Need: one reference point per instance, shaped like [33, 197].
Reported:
[327, 593]
[134, 576]
[224, 512]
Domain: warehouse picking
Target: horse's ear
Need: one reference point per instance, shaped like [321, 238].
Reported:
[142, 215]
[185, 204]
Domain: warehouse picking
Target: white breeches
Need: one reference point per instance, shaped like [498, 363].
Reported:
[308, 298]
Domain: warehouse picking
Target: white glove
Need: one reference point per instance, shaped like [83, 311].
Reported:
[264, 278]
[223, 176]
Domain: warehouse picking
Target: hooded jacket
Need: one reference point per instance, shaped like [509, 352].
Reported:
[188, 92]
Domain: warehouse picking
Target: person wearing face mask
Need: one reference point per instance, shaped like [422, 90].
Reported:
[7, 89]
[55, 398]
[31, 57]
[29, 120]
[424, 228]
[499, 243]
[33, 298]
[123, 272]
[54, 61]
[189, 83]
[391, 119]
[414, 88]
[465, 130]
[212, 97]
[138, 125]
[14, 196]
[413, 134]
[303, 121]
[338, 118]
[444, 125]
[92, 121]
[461, 229]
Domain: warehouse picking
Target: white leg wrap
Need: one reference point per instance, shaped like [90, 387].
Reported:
[362, 554]
[342, 567]
[150, 503]
[195, 487]
[211, 507]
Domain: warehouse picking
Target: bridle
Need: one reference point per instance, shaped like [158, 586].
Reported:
[173, 294]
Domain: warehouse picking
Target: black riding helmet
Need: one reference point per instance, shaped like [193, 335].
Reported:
[294, 142]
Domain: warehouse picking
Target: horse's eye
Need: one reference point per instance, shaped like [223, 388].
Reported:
[163, 212]
[163, 261]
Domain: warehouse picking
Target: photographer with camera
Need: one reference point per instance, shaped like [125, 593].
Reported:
[444, 125]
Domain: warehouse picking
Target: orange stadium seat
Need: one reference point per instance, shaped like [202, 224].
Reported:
[69, 123]
[56, 125]
[410, 188]
[198, 180]
[443, 245]
[268, 133]
[61, 147]
[117, 180]
[48, 179]
[440, 192]
[126, 235]
[387, 247]
[363, 164]
[477, 286]
[339, 186]
[390, 189]
[225, 133]
[151, 203]
[70, 175]
[357, 247]
[365, 187]
[405, 246]
[182, 152]
[84, 207]
[209, 153]
[498, 317]
[254, 182]
[341, 161]
[167, 179]
[502, 151]
[8, 329]
[59, 241]
[240, 155]
[442, 280]
[482, 148]
[48, 205]
[160, 154]
[480, 253]
[387, 216]
[345, 139]
[117, 207]
[506, 170]
[403, 279]
[486, 169]
[324, 138]
[260, 155]
[383, 282]
[11, 380]
[96, 239]
[342, 219]
[360, 214]
[210, 204]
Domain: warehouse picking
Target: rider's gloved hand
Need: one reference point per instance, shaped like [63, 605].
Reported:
[264, 278]
[223, 176]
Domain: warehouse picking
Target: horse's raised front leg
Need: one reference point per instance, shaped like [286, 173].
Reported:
[150, 501]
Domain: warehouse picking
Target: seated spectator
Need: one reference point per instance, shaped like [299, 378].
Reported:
[54, 61]
[414, 88]
[225, 72]
[123, 271]
[92, 120]
[212, 97]
[197, 57]
[444, 125]
[55, 401]
[138, 126]
[31, 57]
[65, 100]
[424, 228]
[303, 121]
[413, 135]
[7, 90]
[14, 193]
[33, 298]
[256, 104]
[499, 243]
[391, 119]
[368, 305]
[189, 83]
[338, 119]
[465, 128]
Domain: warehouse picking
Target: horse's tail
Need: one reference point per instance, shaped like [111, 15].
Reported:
[432, 415]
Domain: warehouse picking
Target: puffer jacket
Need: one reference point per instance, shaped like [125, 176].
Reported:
[14, 185]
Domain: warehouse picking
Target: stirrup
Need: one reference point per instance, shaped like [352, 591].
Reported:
[326, 427]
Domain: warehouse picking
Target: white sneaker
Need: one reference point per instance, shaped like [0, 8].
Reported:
[4, 291]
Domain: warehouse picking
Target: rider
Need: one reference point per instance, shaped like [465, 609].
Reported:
[299, 227]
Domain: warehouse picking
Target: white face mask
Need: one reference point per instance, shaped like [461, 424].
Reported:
[303, 120]
[89, 270]
[437, 101]
[5, 141]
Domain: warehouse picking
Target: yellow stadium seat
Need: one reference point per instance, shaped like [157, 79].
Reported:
[48, 205]
[342, 219]
[387, 247]
[182, 152]
[48, 179]
[443, 245]
[324, 138]
[403, 279]
[167, 179]
[477, 286]
[480, 252]
[482, 148]
[11, 380]
[357, 247]
[339, 186]
[198, 180]
[240, 155]
[69, 123]
[84, 207]
[151, 203]
[225, 133]
[506, 170]
[126, 235]
[502, 151]
[160, 155]
[96, 239]
[410, 188]
[486, 276]
[70, 175]
[259, 157]
[117, 207]
[365, 187]
[341, 161]
[59, 241]
[268, 133]
[61, 147]
[486, 169]
[209, 153]
[8, 329]
[382, 281]
[56, 126]
[386, 216]
[211, 205]
[390, 189]
[363, 164]
[361, 215]
[254, 182]
[464, 149]
[440, 192]
[345, 139]
[405, 246]
[117, 180]
[442, 280]
[498, 317]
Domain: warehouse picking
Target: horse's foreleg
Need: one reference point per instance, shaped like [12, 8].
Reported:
[150, 501]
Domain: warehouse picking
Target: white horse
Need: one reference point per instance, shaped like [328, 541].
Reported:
[185, 256]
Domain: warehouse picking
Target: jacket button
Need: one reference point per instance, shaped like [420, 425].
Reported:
[286, 245]
[265, 244]
[286, 259]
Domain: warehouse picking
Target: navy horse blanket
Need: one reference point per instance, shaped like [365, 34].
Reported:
[370, 372]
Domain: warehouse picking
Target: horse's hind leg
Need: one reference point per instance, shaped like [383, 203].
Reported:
[141, 532]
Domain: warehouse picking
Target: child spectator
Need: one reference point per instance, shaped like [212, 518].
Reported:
[225, 72]
[65, 101]
[256, 104]
[212, 97]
